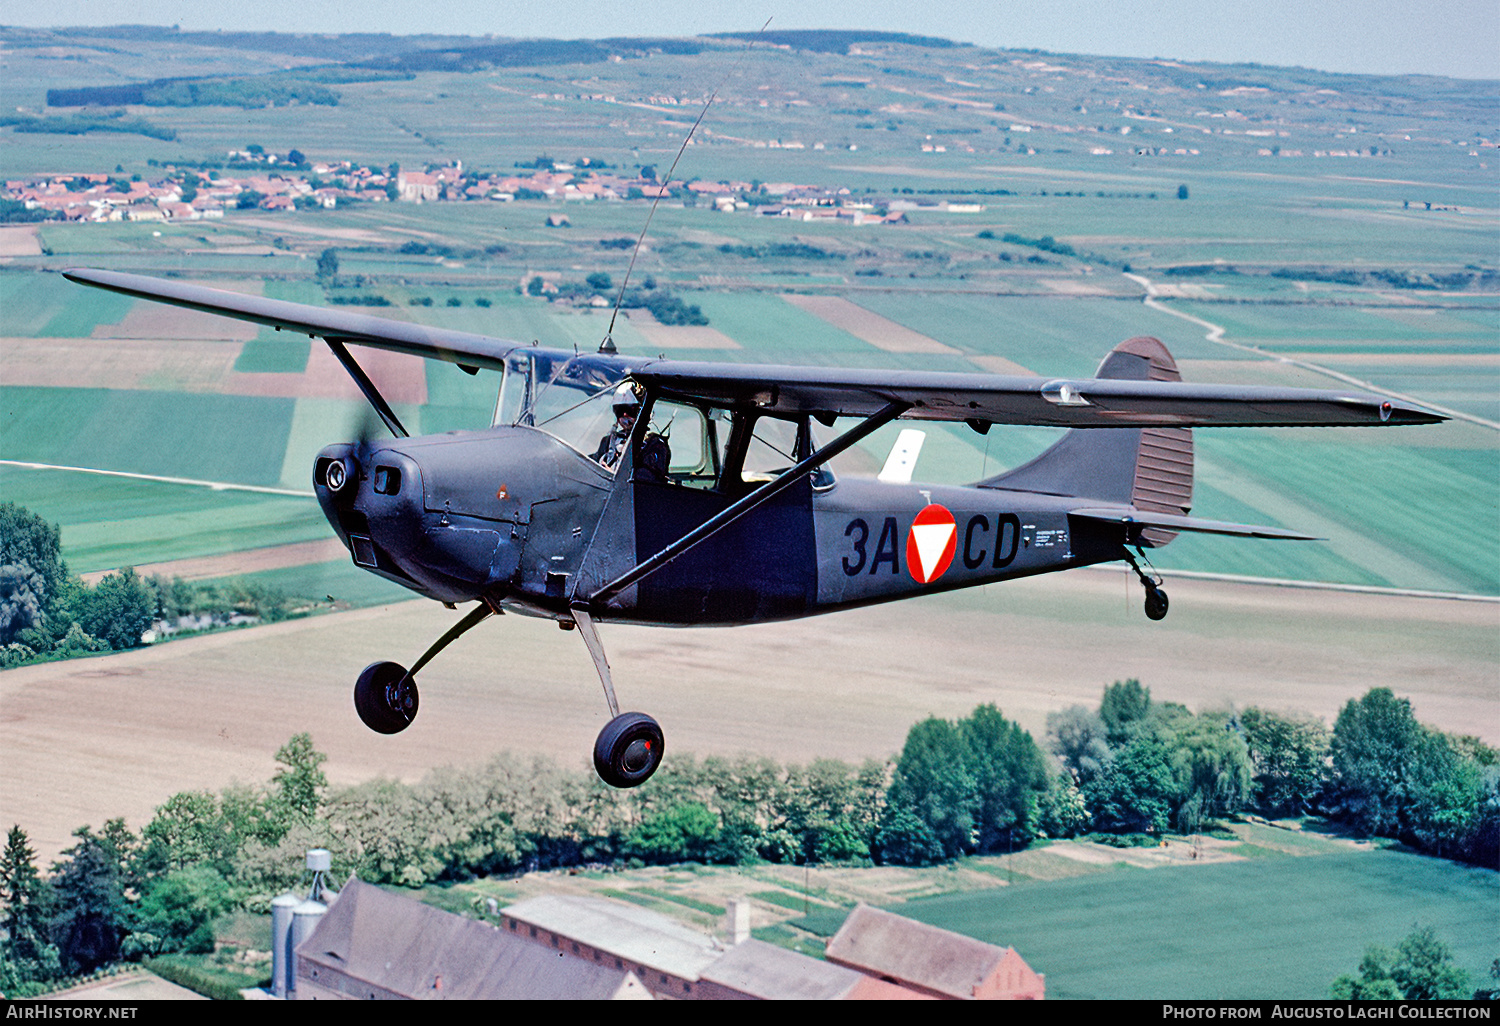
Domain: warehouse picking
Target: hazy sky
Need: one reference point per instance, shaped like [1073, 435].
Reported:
[1445, 37]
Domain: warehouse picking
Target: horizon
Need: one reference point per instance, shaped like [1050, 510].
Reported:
[1370, 37]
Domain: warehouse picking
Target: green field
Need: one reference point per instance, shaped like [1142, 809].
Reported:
[1390, 513]
[236, 439]
[274, 355]
[1411, 508]
[1047, 335]
[49, 306]
[1258, 929]
[110, 522]
[345, 582]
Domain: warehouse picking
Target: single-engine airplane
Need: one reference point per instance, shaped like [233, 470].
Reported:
[614, 488]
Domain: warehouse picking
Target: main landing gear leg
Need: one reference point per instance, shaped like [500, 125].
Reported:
[629, 748]
[1156, 599]
[385, 695]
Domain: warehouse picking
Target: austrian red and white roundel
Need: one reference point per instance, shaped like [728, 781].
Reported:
[930, 543]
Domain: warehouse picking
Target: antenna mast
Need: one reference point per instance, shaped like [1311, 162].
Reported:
[608, 344]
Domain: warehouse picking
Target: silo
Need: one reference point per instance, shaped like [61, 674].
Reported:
[281, 943]
[305, 919]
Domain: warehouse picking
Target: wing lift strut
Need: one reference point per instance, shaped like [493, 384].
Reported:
[630, 747]
[366, 386]
[759, 497]
[1156, 598]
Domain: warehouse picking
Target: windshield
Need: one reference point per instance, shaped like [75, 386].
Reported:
[567, 396]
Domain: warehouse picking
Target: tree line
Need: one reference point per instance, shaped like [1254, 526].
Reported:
[1420, 969]
[1130, 768]
[1144, 766]
[46, 612]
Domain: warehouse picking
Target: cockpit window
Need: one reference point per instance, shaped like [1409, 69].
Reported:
[567, 396]
[775, 446]
[573, 398]
[693, 442]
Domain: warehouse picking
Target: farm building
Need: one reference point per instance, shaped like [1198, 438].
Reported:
[374, 945]
[932, 961]
[667, 956]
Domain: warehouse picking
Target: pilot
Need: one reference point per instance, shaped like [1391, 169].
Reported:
[612, 446]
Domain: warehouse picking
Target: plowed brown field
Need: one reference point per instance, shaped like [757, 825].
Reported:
[87, 740]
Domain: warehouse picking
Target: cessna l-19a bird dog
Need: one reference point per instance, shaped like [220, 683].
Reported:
[614, 488]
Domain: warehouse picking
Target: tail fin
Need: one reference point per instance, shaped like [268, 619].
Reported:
[1148, 468]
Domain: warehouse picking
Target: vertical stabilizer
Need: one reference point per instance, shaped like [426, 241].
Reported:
[1148, 468]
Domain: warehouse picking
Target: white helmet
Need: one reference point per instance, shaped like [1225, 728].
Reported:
[626, 400]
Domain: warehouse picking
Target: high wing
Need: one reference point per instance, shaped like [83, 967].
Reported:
[458, 347]
[984, 399]
[827, 393]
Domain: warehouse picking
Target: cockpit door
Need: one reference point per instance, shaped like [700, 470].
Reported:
[762, 567]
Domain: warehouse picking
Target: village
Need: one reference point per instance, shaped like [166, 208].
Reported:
[257, 180]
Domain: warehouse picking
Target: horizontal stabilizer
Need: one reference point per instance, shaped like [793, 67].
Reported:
[1137, 518]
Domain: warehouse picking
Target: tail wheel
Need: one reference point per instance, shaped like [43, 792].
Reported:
[1156, 603]
[385, 696]
[628, 750]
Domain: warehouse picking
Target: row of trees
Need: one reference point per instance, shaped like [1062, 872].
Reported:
[48, 613]
[665, 306]
[1420, 969]
[1144, 766]
[119, 895]
[978, 784]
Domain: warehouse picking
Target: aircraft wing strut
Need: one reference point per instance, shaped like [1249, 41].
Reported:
[763, 494]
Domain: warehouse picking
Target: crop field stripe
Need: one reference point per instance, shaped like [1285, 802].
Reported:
[1274, 325]
[48, 305]
[218, 486]
[1392, 509]
[340, 578]
[206, 437]
[111, 520]
[231, 564]
[71, 498]
[1049, 335]
[448, 385]
[316, 423]
[771, 330]
[274, 355]
[1256, 929]
[1217, 332]
[170, 536]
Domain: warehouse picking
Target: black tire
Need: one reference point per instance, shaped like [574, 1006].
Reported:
[1156, 604]
[628, 750]
[386, 698]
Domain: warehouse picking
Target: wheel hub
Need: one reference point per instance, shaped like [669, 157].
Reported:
[637, 757]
